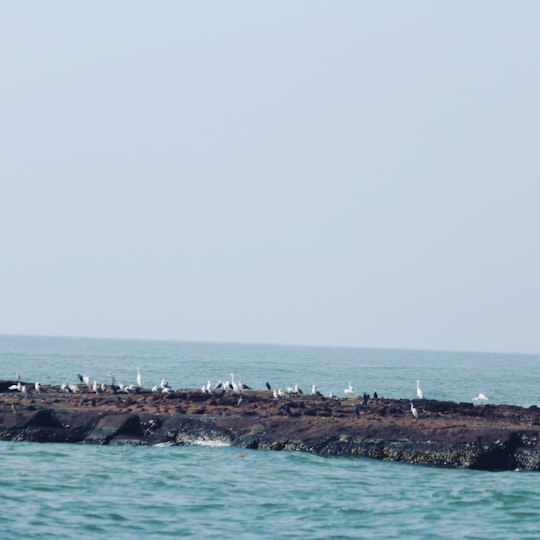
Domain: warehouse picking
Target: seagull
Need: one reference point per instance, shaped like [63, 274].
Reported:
[17, 386]
[297, 390]
[414, 412]
[243, 386]
[37, 387]
[349, 391]
[139, 378]
[480, 397]
[314, 391]
[419, 392]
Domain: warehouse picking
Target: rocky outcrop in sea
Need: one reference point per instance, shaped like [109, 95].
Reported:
[446, 434]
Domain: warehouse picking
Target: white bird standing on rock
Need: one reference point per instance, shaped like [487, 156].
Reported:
[139, 378]
[419, 392]
[480, 397]
[349, 391]
[414, 412]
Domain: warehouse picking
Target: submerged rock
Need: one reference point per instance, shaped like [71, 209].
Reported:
[446, 434]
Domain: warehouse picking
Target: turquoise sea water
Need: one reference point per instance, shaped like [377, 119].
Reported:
[73, 491]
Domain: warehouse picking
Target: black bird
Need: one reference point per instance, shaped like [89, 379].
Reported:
[80, 377]
[375, 395]
[268, 387]
[356, 410]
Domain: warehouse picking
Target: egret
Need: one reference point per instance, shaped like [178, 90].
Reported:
[139, 378]
[419, 392]
[349, 391]
[480, 397]
[414, 412]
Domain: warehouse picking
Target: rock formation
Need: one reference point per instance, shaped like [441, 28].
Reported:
[446, 434]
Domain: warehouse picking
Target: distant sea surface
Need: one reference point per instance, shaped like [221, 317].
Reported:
[86, 491]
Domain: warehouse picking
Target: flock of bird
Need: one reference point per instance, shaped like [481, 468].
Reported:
[229, 385]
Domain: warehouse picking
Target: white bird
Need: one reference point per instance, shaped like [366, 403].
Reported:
[37, 387]
[234, 385]
[480, 397]
[164, 384]
[23, 390]
[314, 391]
[139, 378]
[276, 395]
[166, 390]
[17, 386]
[419, 392]
[349, 391]
[414, 412]
[297, 389]
[155, 389]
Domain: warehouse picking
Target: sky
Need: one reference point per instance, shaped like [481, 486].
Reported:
[327, 173]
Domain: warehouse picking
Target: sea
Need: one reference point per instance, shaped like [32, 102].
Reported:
[68, 491]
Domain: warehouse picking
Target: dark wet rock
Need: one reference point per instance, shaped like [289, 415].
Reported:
[447, 434]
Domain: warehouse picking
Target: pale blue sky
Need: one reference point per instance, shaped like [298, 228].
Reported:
[334, 173]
